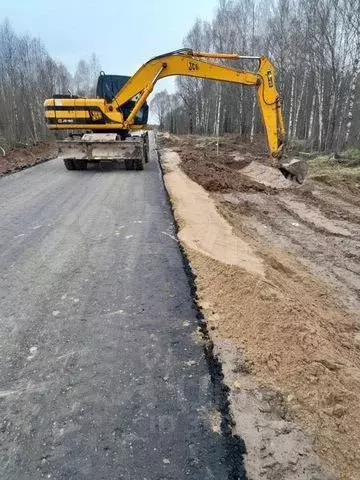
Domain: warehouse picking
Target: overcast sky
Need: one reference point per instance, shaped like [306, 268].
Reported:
[123, 34]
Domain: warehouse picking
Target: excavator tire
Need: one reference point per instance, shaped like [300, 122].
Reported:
[139, 164]
[146, 148]
[80, 164]
[129, 164]
[69, 165]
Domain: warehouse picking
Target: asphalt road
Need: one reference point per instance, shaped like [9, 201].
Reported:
[102, 372]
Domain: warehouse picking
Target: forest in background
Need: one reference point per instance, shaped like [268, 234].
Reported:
[28, 75]
[315, 46]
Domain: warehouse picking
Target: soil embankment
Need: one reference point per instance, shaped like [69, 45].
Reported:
[283, 310]
[23, 157]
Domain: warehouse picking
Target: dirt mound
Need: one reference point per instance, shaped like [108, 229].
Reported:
[236, 167]
[267, 175]
[19, 158]
[219, 175]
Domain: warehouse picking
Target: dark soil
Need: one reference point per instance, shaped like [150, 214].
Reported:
[218, 172]
[20, 158]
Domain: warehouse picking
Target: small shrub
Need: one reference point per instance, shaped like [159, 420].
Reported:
[353, 153]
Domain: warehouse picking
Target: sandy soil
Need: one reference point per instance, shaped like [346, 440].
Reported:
[19, 158]
[201, 221]
[294, 331]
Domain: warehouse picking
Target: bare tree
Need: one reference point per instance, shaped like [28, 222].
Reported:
[351, 16]
[82, 78]
[94, 70]
[28, 75]
[160, 104]
[316, 49]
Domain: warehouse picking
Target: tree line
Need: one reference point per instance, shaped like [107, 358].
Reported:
[28, 75]
[315, 46]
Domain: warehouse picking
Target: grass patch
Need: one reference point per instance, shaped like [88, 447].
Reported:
[353, 154]
[331, 170]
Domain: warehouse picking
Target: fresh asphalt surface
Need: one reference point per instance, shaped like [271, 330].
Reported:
[102, 371]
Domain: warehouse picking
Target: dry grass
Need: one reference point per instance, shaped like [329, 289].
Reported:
[332, 170]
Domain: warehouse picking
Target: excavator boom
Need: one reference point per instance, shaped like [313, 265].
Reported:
[101, 115]
[193, 64]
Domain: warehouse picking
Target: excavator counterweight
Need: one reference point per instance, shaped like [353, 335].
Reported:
[117, 118]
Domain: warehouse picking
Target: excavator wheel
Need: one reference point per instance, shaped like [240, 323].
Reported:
[69, 164]
[139, 164]
[129, 164]
[80, 164]
[146, 148]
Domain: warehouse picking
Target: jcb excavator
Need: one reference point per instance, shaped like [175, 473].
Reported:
[112, 126]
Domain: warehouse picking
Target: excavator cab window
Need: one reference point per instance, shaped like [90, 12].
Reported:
[109, 85]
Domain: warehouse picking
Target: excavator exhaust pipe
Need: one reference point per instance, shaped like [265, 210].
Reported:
[294, 169]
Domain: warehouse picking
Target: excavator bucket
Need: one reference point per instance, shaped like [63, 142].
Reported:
[294, 169]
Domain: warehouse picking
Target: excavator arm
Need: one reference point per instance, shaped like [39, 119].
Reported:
[194, 64]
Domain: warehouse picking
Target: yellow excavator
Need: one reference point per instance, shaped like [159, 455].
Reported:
[113, 125]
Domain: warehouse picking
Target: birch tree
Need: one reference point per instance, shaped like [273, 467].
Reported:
[351, 16]
[315, 47]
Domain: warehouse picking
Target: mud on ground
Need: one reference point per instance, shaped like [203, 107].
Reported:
[23, 157]
[294, 330]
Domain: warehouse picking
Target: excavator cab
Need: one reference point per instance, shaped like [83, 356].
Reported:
[108, 87]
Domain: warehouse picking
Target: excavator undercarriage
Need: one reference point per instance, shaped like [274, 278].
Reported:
[78, 151]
